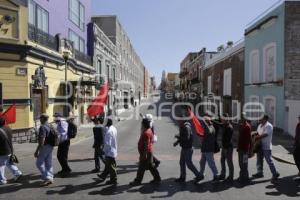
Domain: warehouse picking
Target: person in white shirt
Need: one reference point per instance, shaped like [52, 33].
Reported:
[111, 151]
[265, 135]
[64, 144]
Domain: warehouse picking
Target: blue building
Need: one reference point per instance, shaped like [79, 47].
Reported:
[270, 52]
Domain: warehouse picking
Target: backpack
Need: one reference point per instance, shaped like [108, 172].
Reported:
[72, 130]
[52, 138]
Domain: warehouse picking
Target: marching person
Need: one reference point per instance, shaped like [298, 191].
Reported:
[297, 146]
[208, 149]
[6, 151]
[265, 135]
[185, 140]
[64, 144]
[149, 117]
[44, 151]
[110, 151]
[98, 131]
[145, 148]
[227, 149]
[244, 145]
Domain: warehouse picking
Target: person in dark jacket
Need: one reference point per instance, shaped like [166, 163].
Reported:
[6, 150]
[244, 145]
[208, 148]
[98, 131]
[145, 148]
[297, 146]
[185, 140]
[227, 149]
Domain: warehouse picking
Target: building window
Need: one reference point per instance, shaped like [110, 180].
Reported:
[270, 62]
[79, 43]
[209, 85]
[227, 82]
[77, 13]
[254, 66]
[114, 75]
[38, 16]
[270, 105]
[99, 67]
[107, 71]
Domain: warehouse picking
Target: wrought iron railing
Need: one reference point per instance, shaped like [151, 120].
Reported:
[83, 57]
[41, 37]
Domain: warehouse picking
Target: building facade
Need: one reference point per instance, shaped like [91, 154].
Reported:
[272, 58]
[42, 60]
[129, 69]
[223, 81]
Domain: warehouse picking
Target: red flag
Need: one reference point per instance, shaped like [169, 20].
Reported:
[10, 115]
[98, 104]
[198, 127]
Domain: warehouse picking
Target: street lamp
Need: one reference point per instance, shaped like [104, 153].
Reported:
[66, 55]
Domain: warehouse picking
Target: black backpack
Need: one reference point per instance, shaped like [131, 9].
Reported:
[52, 138]
[72, 130]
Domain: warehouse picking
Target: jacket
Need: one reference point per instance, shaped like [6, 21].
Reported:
[6, 141]
[186, 136]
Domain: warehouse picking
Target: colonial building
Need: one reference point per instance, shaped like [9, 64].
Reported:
[272, 64]
[129, 69]
[44, 66]
[223, 80]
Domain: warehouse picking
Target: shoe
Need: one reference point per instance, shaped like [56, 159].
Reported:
[46, 183]
[135, 183]
[180, 180]
[155, 181]
[229, 180]
[275, 177]
[222, 177]
[157, 163]
[216, 178]
[244, 180]
[101, 179]
[198, 179]
[258, 175]
[17, 178]
[111, 182]
[95, 171]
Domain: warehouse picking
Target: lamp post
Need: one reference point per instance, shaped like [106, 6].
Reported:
[66, 55]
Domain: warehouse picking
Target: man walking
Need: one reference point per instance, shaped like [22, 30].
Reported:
[185, 140]
[111, 151]
[227, 149]
[6, 151]
[265, 135]
[44, 151]
[145, 147]
[64, 144]
[244, 145]
[297, 146]
[98, 131]
[208, 149]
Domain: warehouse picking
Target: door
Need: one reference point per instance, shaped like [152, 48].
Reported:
[37, 103]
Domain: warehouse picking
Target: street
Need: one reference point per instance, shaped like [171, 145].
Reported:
[82, 184]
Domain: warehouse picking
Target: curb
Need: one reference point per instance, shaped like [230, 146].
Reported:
[282, 160]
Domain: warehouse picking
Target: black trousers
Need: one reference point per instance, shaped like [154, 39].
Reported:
[62, 155]
[98, 155]
[297, 157]
[110, 169]
[144, 165]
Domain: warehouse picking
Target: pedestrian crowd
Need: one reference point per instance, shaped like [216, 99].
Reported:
[61, 131]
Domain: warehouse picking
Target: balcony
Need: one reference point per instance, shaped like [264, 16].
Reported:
[40, 37]
[83, 57]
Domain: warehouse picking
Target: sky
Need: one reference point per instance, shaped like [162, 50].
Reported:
[163, 32]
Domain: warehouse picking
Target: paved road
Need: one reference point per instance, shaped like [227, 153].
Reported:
[82, 184]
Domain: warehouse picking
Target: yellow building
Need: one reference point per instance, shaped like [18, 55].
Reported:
[32, 75]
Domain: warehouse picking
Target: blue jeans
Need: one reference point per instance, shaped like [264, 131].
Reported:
[265, 154]
[4, 162]
[186, 161]
[209, 157]
[44, 162]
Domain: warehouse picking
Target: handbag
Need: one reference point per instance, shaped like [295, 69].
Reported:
[13, 159]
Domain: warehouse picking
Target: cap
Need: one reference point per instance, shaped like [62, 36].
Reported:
[44, 116]
[57, 114]
[149, 117]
